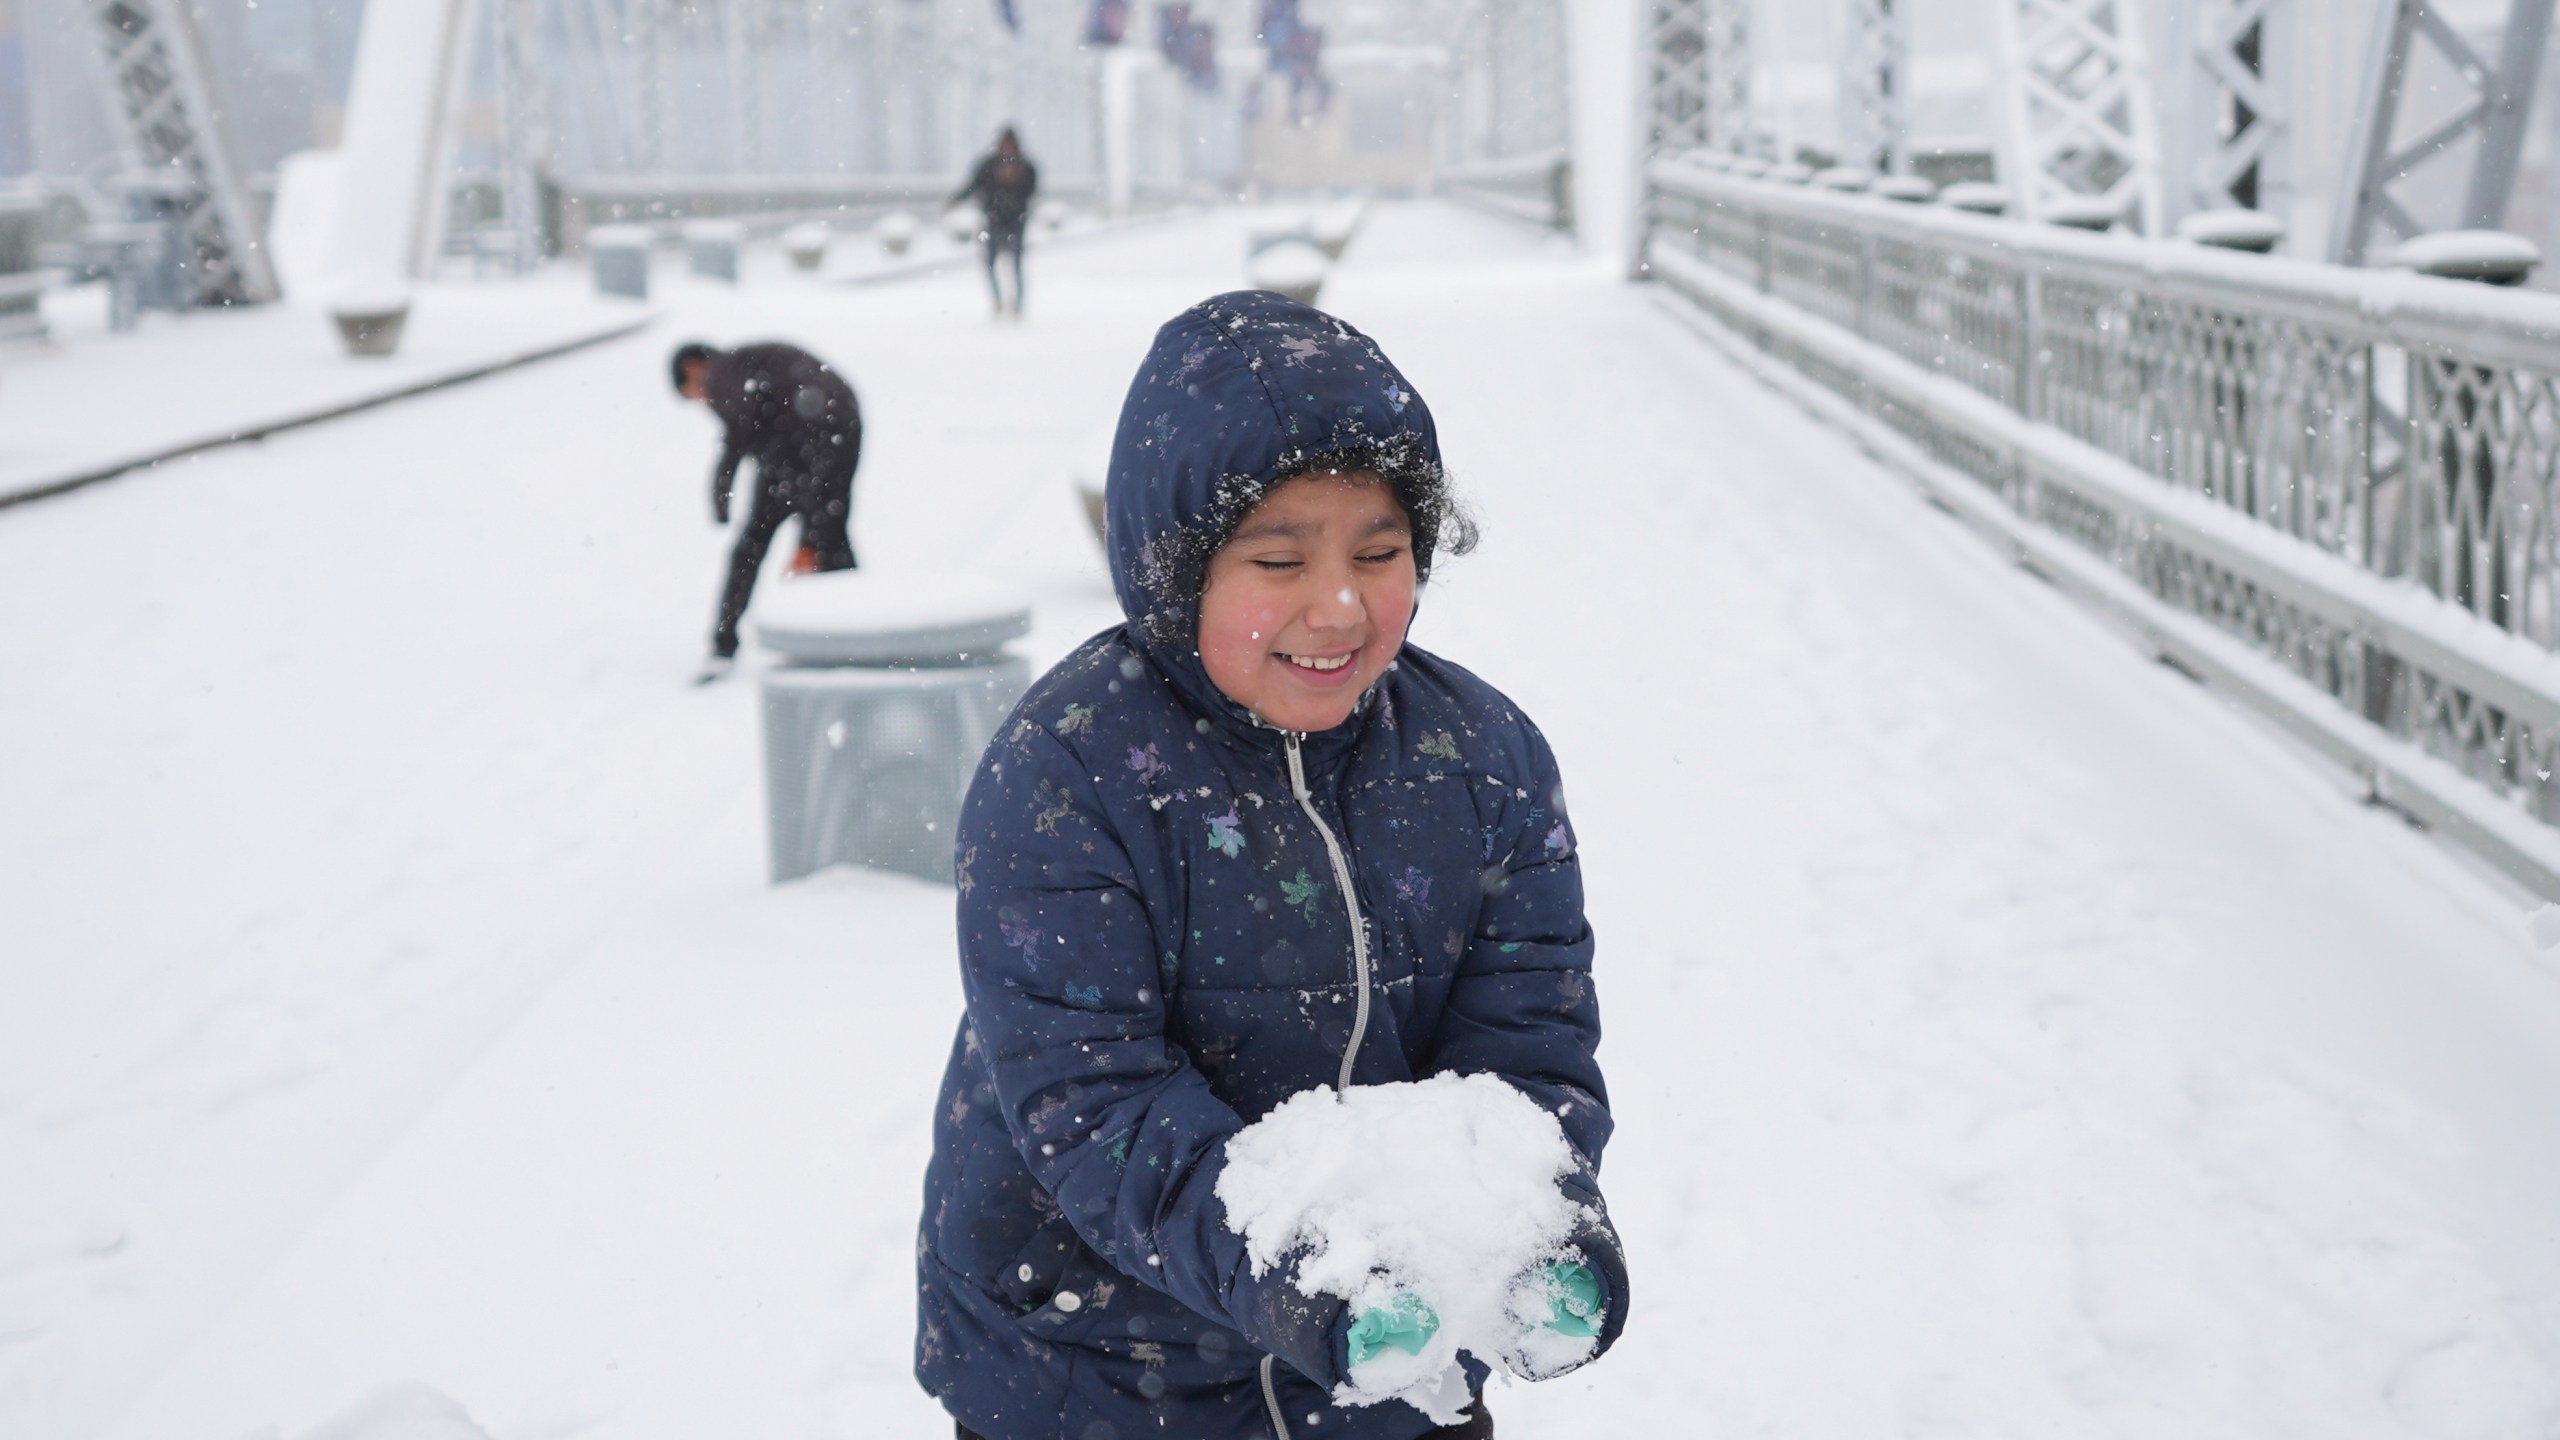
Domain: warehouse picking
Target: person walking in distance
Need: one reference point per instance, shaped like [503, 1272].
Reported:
[1003, 185]
[796, 418]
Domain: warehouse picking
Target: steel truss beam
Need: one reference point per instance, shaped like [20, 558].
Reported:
[172, 129]
[526, 140]
[1510, 80]
[1676, 76]
[1875, 60]
[2075, 98]
[1732, 123]
[2498, 100]
[2229, 130]
[1698, 77]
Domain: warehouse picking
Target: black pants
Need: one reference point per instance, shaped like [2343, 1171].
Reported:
[822, 533]
[1000, 242]
[1479, 1426]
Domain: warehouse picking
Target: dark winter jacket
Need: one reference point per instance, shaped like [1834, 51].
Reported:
[1003, 194]
[793, 415]
[1157, 948]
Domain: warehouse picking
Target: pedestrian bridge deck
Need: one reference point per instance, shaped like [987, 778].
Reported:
[2005, 1034]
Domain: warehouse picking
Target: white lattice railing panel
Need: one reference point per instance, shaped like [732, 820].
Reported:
[2484, 447]
[2352, 474]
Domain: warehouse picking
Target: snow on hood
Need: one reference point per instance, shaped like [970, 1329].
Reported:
[1237, 391]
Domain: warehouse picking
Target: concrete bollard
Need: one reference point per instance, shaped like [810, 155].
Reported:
[806, 244]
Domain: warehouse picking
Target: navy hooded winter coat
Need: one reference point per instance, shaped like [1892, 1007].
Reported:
[1158, 946]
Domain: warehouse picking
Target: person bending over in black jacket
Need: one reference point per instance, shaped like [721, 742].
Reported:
[796, 418]
[1002, 185]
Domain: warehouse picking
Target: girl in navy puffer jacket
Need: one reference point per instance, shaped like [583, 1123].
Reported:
[1247, 844]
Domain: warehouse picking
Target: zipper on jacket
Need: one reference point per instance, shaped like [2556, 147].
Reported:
[1359, 931]
[1271, 1402]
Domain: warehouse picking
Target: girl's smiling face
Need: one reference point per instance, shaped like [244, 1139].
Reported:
[1308, 603]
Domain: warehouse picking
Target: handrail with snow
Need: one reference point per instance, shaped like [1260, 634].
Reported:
[2354, 473]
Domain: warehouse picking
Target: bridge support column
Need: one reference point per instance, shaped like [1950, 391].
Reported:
[1602, 44]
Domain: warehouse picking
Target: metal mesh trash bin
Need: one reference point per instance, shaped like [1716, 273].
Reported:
[892, 686]
[620, 255]
[712, 246]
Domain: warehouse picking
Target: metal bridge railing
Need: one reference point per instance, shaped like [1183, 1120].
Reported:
[1536, 187]
[2354, 473]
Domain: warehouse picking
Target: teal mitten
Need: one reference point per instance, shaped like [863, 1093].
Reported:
[1405, 1323]
[1576, 1300]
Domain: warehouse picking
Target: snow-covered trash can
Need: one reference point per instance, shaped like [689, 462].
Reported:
[2491, 257]
[1263, 237]
[123, 255]
[806, 244]
[2253, 231]
[711, 248]
[1293, 267]
[963, 224]
[895, 231]
[892, 684]
[370, 318]
[1054, 214]
[619, 257]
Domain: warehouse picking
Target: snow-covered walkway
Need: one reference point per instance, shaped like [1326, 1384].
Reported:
[2006, 1038]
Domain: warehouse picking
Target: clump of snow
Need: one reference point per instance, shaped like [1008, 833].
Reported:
[402, 1410]
[1444, 1189]
[2252, 230]
[2545, 924]
[2491, 255]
